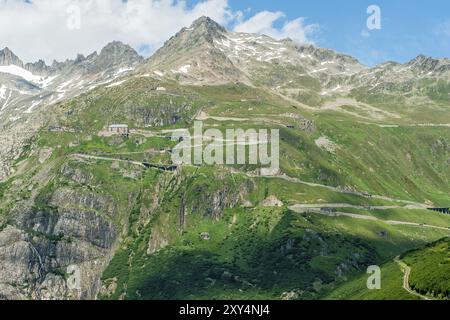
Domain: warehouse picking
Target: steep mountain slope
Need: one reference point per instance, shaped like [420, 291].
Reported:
[64, 79]
[357, 171]
[421, 273]
[434, 256]
[26, 90]
[314, 79]
[418, 91]
[192, 57]
[207, 53]
[7, 57]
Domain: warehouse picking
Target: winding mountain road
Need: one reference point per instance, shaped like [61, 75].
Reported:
[340, 190]
[297, 209]
[86, 156]
[406, 273]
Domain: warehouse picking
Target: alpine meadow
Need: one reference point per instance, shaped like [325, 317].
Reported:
[226, 165]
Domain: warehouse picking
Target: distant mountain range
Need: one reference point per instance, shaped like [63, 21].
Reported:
[208, 53]
[364, 156]
[26, 86]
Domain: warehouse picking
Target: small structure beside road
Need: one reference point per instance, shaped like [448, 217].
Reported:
[119, 129]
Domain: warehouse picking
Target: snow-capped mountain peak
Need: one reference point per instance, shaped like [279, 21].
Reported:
[27, 87]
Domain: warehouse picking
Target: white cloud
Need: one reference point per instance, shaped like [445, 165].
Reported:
[264, 23]
[47, 29]
[44, 28]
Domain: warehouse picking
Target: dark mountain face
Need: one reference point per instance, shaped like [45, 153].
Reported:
[192, 54]
[208, 28]
[326, 54]
[429, 64]
[201, 33]
[115, 54]
[39, 68]
[7, 57]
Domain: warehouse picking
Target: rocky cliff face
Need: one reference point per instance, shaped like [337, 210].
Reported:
[67, 232]
[191, 56]
[41, 247]
[39, 68]
[7, 57]
[116, 54]
[14, 137]
[62, 221]
[28, 90]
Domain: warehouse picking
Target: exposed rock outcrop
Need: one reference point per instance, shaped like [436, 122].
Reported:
[42, 245]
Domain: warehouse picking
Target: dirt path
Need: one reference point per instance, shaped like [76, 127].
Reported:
[85, 156]
[410, 205]
[353, 206]
[357, 193]
[412, 125]
[298, 209]
[146, 165]
[372, 112]
[406, 273]
[202, 116]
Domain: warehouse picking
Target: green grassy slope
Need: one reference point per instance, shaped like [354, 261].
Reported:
[429, 276]
[254, 251]
[391, 287]
[430, 269]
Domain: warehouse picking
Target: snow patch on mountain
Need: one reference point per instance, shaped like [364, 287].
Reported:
[33, 105]
[3, 92]
[318, 70]
[123, 70]
[17, 71]
[20, 72]
[13, 119]
[185, 68]
[6, 103]
[45, 82]
[65, 85]
[115, 84]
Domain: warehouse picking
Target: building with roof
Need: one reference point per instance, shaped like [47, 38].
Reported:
[119, 129]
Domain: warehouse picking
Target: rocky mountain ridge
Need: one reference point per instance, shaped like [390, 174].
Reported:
[78, 197]
[207, 53]
[112, 55]
[27, 89]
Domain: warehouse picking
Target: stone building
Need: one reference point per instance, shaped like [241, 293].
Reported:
[119, 129]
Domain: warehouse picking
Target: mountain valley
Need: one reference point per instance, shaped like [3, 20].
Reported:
[364, 155]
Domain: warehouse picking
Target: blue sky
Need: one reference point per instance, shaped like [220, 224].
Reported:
[408, 28]
[50, 29]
